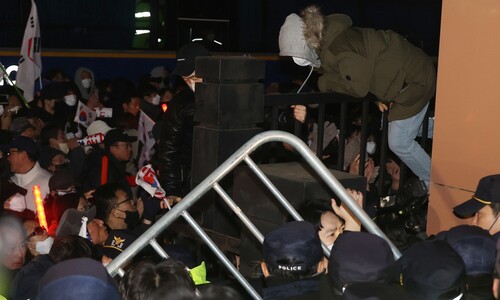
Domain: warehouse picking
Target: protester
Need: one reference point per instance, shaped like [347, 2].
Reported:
[23, 154]
[12, 251]
[357, 61]
[145, 277]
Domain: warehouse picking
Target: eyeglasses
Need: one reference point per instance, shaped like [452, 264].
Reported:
[37, 231]
[131, 201]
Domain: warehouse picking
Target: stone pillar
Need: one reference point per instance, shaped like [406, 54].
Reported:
[229, 105]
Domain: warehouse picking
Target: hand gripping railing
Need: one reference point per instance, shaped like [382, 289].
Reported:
[211, 182]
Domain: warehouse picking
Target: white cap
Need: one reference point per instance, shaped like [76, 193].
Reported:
[98, 127]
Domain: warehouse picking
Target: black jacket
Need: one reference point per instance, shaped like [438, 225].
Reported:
[174, 146]
[25, 283]
[116, 172]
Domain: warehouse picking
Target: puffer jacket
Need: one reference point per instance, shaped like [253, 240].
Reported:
[175, 143]
[357, 61]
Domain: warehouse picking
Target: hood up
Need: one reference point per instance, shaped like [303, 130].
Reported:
[85, 94]
[292, 41]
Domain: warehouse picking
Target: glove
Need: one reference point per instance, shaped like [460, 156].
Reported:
[151, 206]
[330, 132]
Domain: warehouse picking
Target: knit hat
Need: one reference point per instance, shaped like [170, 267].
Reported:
[78, 279]
[487, 192]
[360, 257]
[298, 242]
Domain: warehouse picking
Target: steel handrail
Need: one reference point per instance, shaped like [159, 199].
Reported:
[211, 182]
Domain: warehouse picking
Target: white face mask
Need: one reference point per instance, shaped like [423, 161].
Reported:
[155, 100]
[371, 147]
[70, 100]
[86, 83]
[301, 62]
[43, 247]
[64, 148]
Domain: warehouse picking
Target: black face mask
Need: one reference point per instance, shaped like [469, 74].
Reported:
[131, 218]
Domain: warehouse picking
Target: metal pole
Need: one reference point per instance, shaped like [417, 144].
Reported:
[220, 255]
[239, 213]
[273, 189]
[18, 92]
[158, 248]
[226, 167]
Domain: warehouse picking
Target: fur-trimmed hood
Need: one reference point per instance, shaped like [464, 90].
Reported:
[302, 36]
[317, 27]
[313, 26]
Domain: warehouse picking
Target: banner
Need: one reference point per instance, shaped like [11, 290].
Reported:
[30, 62]
[84, 115]
[93, 139]
[145, 130]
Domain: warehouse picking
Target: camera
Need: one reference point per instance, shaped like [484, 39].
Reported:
[409, 206]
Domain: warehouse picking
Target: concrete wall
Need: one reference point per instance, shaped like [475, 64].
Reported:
[467, 125]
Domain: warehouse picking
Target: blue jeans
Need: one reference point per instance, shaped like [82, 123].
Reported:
[402, 142]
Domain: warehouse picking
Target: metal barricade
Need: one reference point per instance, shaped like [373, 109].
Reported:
[212, 182]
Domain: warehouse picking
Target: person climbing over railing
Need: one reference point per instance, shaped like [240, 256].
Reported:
[357, 61]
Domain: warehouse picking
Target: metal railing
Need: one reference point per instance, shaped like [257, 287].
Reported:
[212, 182]
[282, 100]
[277, 101]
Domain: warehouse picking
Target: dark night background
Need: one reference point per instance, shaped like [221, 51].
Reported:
[241, 25]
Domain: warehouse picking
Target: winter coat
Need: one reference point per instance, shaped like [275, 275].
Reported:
[174, 147]
[25, 283]
[357, 61]
[115, 173]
